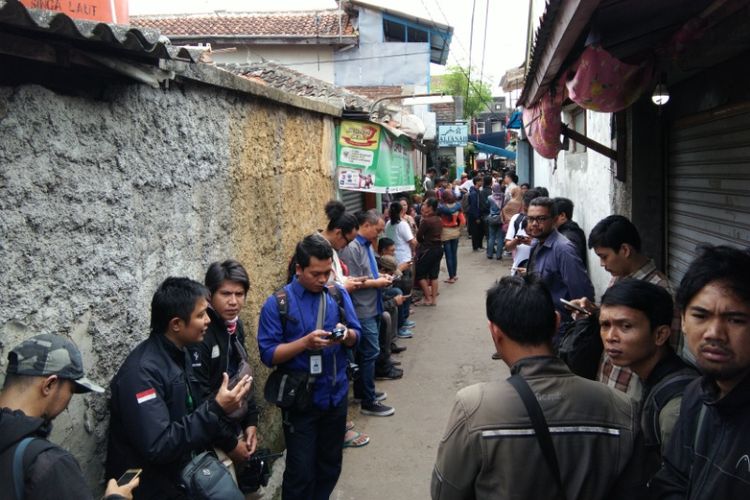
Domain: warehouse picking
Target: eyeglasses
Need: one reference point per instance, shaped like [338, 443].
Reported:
[540, 219]
[345, 238]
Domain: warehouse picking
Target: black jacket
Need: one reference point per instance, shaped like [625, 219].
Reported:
[210, 359]
[53, 475]
[712, 462]
[156, 421]
[575, 234]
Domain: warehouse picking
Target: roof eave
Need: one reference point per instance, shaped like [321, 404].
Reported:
[336, 40]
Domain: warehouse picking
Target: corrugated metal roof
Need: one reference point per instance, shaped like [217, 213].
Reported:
[142, 43]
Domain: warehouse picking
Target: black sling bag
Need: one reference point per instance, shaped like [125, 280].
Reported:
[541, 429]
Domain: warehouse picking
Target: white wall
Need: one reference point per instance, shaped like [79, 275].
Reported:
[587, 179]
[315, 61]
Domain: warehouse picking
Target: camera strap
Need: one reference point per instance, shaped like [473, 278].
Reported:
[541, 429]
[316, 357]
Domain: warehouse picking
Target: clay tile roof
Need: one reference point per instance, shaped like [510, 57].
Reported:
[286, 79]
[323, 23]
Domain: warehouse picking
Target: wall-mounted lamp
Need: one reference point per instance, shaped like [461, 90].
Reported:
[661, 95]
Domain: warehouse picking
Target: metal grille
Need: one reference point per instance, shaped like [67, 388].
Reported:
[352, 200]
[708, 185]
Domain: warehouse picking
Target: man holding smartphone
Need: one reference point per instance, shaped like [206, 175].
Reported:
[43, 374]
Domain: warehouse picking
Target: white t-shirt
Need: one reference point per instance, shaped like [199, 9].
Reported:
[522, 251]
[401, 235]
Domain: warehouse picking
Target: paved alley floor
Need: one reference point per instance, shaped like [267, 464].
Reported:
[451, 349]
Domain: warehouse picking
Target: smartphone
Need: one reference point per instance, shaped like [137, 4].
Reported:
[571, 305]
[128, 476]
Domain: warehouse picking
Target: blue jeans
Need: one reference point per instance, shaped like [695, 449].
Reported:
[495, 238]
[314, 443]
[450, 251]
[368, 350]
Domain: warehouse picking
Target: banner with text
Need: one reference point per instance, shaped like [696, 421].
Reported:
[372, 160]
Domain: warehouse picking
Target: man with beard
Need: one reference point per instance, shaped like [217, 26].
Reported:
[709, 454]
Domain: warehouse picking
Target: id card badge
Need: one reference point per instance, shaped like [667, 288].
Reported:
[316, 363]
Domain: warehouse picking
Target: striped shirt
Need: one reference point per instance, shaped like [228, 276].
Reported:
[623, 378]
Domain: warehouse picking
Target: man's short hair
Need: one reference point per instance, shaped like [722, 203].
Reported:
[385, 243]
[613, 231]
[530, 195]
[513, 176]
[312, 245]
[543, 191]
[652, 300]
[367, 216]
[432, 170]
[477, 180]
[564, 206]
[229, 270]
[526, 185]
[175, 298]
[722, 264]
[543, 201]
[522, 307]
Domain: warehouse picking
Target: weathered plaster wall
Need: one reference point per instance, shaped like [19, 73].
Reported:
[102, 198]
[588, 179]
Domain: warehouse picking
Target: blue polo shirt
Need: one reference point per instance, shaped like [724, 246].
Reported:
[331, 387]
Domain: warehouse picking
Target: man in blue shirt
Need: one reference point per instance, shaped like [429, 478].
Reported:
[301, 343]
[554, 258]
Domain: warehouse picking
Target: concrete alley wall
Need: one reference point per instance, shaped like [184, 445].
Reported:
[102, 198]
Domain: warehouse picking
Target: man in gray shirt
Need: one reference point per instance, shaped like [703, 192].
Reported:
[368, 302]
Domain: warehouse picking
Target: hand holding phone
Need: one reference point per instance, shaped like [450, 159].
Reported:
[574, 307]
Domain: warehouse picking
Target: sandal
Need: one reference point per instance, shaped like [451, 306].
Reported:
[350, 425]
[357, 441]
[422, 303]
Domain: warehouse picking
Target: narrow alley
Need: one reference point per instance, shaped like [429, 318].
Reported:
[451, 349]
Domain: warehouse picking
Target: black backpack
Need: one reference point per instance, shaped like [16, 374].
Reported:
[581, 346]
[283, 305]
[662, 393]
[17, 458]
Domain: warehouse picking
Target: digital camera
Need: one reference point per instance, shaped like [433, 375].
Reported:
[337, 334]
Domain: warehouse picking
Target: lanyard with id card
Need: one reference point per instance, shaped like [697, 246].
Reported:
[316, 357]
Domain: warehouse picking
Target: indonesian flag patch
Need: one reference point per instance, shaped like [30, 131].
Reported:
[146, 395]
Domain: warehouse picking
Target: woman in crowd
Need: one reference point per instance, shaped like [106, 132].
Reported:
[429, 252]
[451, 218]
[398, 230]
[409, 215]
[512, 208]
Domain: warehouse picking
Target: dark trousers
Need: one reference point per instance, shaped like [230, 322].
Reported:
[314, 449]
[477, 233]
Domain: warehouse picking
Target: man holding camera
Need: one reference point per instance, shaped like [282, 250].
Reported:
[302, 330]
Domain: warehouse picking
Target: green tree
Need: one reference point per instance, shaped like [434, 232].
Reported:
[456, 83]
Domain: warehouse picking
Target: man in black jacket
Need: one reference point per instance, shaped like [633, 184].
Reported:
[223, 350]
[709, 454]
[157, 419]
[43, 374]
[568, 228]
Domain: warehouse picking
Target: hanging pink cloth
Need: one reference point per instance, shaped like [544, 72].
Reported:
[543, 125]
[600, 82]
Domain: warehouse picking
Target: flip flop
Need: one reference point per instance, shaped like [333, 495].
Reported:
[350, 425]
[421, 303]
[359, 440]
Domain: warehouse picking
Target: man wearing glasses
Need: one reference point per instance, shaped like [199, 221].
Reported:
[554, 258]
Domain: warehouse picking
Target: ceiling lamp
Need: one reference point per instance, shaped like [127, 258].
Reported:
[661, 95]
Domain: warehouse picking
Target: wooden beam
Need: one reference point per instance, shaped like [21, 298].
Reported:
[589, 143]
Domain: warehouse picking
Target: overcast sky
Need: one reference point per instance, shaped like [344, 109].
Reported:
[506, 24]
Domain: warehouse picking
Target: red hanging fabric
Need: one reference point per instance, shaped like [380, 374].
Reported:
[543, 124]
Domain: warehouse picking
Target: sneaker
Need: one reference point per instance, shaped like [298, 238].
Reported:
[395, 349]
[409, 324]
[376, 409]
[392, 374]
[404, 333]
[379, 396]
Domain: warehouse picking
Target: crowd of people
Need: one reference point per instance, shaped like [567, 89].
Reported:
[662, 415]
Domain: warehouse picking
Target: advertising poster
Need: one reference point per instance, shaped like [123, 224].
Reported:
[372, 160]
[453, 135]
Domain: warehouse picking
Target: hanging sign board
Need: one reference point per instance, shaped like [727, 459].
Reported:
[106, 11]
[450, 136]
[372, 160]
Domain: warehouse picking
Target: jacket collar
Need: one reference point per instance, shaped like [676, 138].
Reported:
[540, 365]
[666, 365]
[174, 352]
[362, 240]
[737, 398]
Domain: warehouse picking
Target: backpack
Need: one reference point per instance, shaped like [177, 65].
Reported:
[581, 346]
[662, 393]
[283, 305]
[24, 453]
[519, 220]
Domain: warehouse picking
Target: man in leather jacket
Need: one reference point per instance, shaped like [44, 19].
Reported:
[490, 448]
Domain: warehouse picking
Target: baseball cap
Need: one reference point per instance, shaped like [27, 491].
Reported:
[47, 354]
